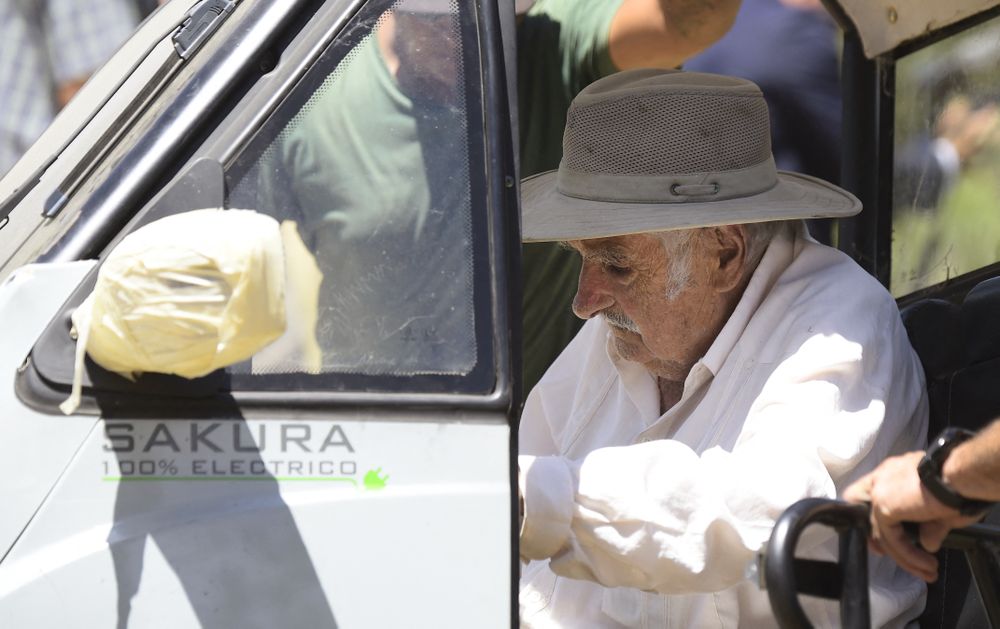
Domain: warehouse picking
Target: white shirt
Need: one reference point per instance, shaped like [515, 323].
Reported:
[638, 519]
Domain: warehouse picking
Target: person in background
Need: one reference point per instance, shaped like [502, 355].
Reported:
[949, 486]
[48, 50]
[789, 49]
[146, 7]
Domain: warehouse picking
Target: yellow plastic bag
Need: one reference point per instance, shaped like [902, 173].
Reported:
[194, 292]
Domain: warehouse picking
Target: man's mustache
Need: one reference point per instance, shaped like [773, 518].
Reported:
[619, 320]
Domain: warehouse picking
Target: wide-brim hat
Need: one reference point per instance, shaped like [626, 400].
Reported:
[657, 150]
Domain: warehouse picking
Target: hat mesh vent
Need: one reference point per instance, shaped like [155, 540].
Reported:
[695, 133]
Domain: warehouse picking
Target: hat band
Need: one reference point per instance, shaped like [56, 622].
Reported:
[688, 188]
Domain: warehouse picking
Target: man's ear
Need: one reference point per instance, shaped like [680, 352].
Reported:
[729, 247]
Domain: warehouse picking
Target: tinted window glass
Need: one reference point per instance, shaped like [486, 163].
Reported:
[374, 158]
[946, 185]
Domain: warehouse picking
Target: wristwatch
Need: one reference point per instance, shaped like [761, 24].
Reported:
[930, 468]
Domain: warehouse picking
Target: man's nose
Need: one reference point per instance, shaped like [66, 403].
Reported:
[592, 295]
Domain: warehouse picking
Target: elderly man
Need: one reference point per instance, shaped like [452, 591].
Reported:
[730, 365]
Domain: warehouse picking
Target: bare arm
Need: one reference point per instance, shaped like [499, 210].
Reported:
[664, 33]
[66, 90]
[897, 496]
[973, 469]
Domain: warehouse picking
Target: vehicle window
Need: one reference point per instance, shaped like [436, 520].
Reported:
[946, 184]
[374, 158]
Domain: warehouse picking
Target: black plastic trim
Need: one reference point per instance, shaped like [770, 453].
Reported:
[780, 574]
[60, 197]
[869, 92]
[203, 20]
[501, 137]
[954, 289]
[838, 14]
[979, 542]
[784, 573]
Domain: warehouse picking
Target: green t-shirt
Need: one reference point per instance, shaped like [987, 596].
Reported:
[562, 47]
[379, 182]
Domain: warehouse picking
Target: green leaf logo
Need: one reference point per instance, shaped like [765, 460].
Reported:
[374, 480]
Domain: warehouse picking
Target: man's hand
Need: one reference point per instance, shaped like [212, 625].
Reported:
[897, 496]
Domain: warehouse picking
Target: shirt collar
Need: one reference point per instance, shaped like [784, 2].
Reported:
[638, 382]
[776, 259]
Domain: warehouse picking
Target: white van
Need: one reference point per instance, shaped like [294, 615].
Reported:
[374, 491]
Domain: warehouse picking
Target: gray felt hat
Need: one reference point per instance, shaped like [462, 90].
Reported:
[655, 150]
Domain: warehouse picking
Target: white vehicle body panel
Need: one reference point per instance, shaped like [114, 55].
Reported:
[295, 545]
[34, 448]
[381, 557]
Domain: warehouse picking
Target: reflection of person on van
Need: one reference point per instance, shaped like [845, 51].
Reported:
[963, 483]
[728, 368]
[927, 167]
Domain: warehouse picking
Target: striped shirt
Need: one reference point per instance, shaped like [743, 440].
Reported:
[43, 44]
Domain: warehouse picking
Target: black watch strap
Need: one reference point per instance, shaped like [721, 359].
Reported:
[930, 468]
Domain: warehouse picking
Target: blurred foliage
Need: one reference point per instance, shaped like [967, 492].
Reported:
[945, 226]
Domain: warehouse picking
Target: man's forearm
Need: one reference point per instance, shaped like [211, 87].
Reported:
[665, 33]
[701, 22]
[973, 468]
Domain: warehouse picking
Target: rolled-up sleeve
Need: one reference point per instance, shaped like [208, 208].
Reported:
[547, 485]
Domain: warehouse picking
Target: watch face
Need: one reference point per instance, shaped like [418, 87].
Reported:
[929, 471]
[945, 442]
